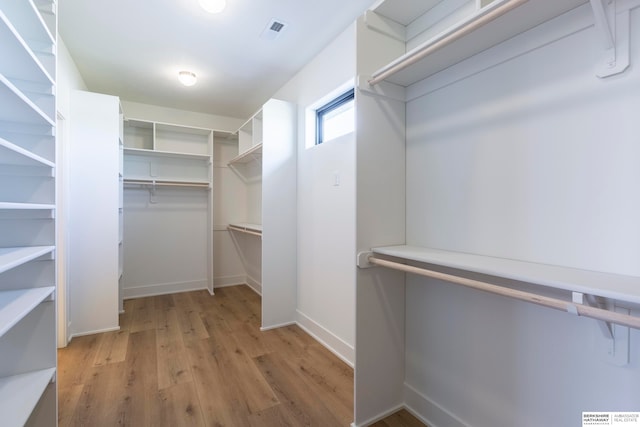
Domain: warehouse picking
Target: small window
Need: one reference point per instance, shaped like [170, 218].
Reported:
[335, 118]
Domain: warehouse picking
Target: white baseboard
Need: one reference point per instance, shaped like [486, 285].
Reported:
[254, 284]
[280, 325]
[336, 345]
[163, 289]
[428, 411]
[98, 331]
[223, 282]
[379, 417]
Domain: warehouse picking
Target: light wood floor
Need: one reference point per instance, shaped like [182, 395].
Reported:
[191, 359]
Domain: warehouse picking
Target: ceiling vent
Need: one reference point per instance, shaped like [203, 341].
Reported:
[274, 28]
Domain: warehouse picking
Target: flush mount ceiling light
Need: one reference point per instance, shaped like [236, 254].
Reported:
[187, 78]
[213, 6]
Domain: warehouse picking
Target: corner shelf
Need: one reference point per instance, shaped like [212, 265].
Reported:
[607, 285]
[465, 39]
[254, 153]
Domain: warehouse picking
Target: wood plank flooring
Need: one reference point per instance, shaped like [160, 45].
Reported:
[191, 359]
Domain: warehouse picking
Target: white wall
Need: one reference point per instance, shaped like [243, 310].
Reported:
[68, 78]
[533, 158]
[326, 213]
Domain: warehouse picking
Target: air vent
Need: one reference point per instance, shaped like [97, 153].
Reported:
[274, 28]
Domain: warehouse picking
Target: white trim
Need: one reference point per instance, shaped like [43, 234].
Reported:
[279, 325]
[428, 411]
[343, 350]
[255, 285]
[99, 331]
[381, 416]
[163, 289]
[225, 281]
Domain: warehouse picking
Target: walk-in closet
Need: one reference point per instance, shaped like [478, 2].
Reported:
[371, 213]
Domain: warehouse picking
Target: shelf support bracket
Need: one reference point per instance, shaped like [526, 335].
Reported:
[613, 340]
[614, 31]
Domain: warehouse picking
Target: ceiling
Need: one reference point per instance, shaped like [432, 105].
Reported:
[134, 49]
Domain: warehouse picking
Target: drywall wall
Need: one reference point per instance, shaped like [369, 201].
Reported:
[326, 212]
[531, 158]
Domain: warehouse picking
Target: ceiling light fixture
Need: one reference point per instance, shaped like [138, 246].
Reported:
[213, 6]
[187, 78]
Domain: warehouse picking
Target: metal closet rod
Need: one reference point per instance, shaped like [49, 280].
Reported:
[445, 39]
[558, 304]
[244, 230]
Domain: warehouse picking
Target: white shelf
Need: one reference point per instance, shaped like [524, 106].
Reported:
[13, 257]
[17, 107]
[513, 22]
[253, 153]
[614, 286]
[24, 64]
[19, 395]
[26, 206]
[16, 304]
[165, 182]
[143, 152]
[11, 154]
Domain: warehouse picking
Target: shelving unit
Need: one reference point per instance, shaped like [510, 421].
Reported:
[167, 165]
[252, 229]
[509, 214]
[27, 213]
[471, 30]
[94, 212]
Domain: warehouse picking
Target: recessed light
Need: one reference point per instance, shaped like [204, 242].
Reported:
[187, 78]
[213, 6]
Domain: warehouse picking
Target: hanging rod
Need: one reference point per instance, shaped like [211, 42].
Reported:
[244, 230]
[167, 183]
[558, 304]
[444, 39]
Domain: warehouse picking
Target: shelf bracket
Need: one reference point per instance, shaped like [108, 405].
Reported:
[614, 33]
[613, 340]
[362, 260]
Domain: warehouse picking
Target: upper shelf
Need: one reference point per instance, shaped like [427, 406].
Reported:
[254, 153]
[486, 27]
[607, 285]
[174, 154]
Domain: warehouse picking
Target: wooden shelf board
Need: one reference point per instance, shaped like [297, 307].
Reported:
[13, 257]
[608, 285]
[19, 395]
[16, 304]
